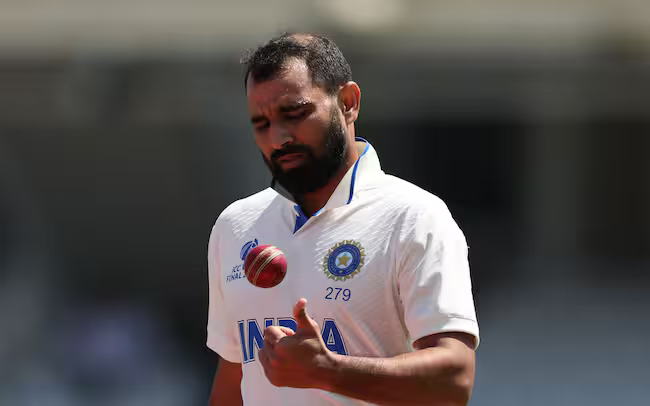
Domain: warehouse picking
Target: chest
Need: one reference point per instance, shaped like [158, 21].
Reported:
[338, 263]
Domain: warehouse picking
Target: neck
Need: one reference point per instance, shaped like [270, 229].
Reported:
[311, 202]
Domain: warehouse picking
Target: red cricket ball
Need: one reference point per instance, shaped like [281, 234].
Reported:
[265, 266]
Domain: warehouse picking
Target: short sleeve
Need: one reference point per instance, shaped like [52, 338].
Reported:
[433, 279]
[221, 338]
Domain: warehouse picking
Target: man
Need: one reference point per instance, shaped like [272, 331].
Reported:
[376, 306]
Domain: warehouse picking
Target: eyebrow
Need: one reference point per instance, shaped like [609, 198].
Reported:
[283, 109]
[257, 119]
[295, 106]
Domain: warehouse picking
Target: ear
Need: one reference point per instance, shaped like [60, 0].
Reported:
[350, 101]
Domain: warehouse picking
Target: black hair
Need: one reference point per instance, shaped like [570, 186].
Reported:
[325, 61]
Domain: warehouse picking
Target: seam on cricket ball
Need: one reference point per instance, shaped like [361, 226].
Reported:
[268, 260]
[260, 255]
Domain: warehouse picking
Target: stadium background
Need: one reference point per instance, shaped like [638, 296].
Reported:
[124, 132]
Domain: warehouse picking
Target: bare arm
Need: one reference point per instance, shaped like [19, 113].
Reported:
[226, 389]
[440, 372]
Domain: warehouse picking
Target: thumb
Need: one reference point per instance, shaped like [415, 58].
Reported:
[303, 321]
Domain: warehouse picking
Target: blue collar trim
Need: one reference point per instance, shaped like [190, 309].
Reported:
[301, 217]
[356, 165]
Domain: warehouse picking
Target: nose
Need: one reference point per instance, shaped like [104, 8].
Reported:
[280, 136]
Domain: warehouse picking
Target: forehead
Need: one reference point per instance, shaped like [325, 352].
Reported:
[293, 83]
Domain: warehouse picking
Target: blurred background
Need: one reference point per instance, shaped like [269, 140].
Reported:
[124, 133]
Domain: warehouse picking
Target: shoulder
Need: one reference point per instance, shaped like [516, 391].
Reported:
[423, 223]
[415, 213]
[242, 213]
[408, 198]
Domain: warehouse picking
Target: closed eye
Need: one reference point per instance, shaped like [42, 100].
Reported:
[297, 115]
[261, 125]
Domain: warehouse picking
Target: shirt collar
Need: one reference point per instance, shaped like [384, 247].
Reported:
[364, 169]
[358, 175]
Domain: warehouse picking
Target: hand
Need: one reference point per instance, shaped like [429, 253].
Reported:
[295, 359]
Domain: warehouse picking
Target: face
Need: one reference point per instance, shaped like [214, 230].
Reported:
[298, 129]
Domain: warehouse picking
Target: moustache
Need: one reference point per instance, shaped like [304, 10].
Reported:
[289, 149]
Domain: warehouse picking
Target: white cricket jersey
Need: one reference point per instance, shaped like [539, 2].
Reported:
[382, 264]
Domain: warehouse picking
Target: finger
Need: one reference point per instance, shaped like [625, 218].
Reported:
[287, 331]
[273, 334]
[300, 310]
[264, 358]
[303, 320]
[268, 358]
[269, 343]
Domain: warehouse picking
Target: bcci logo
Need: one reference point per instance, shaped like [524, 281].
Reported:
[344, 260]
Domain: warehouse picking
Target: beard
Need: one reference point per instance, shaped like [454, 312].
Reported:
[318, 169]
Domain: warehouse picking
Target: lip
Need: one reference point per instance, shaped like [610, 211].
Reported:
[292, 160]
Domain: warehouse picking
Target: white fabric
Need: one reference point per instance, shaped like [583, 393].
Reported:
[414, 281]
